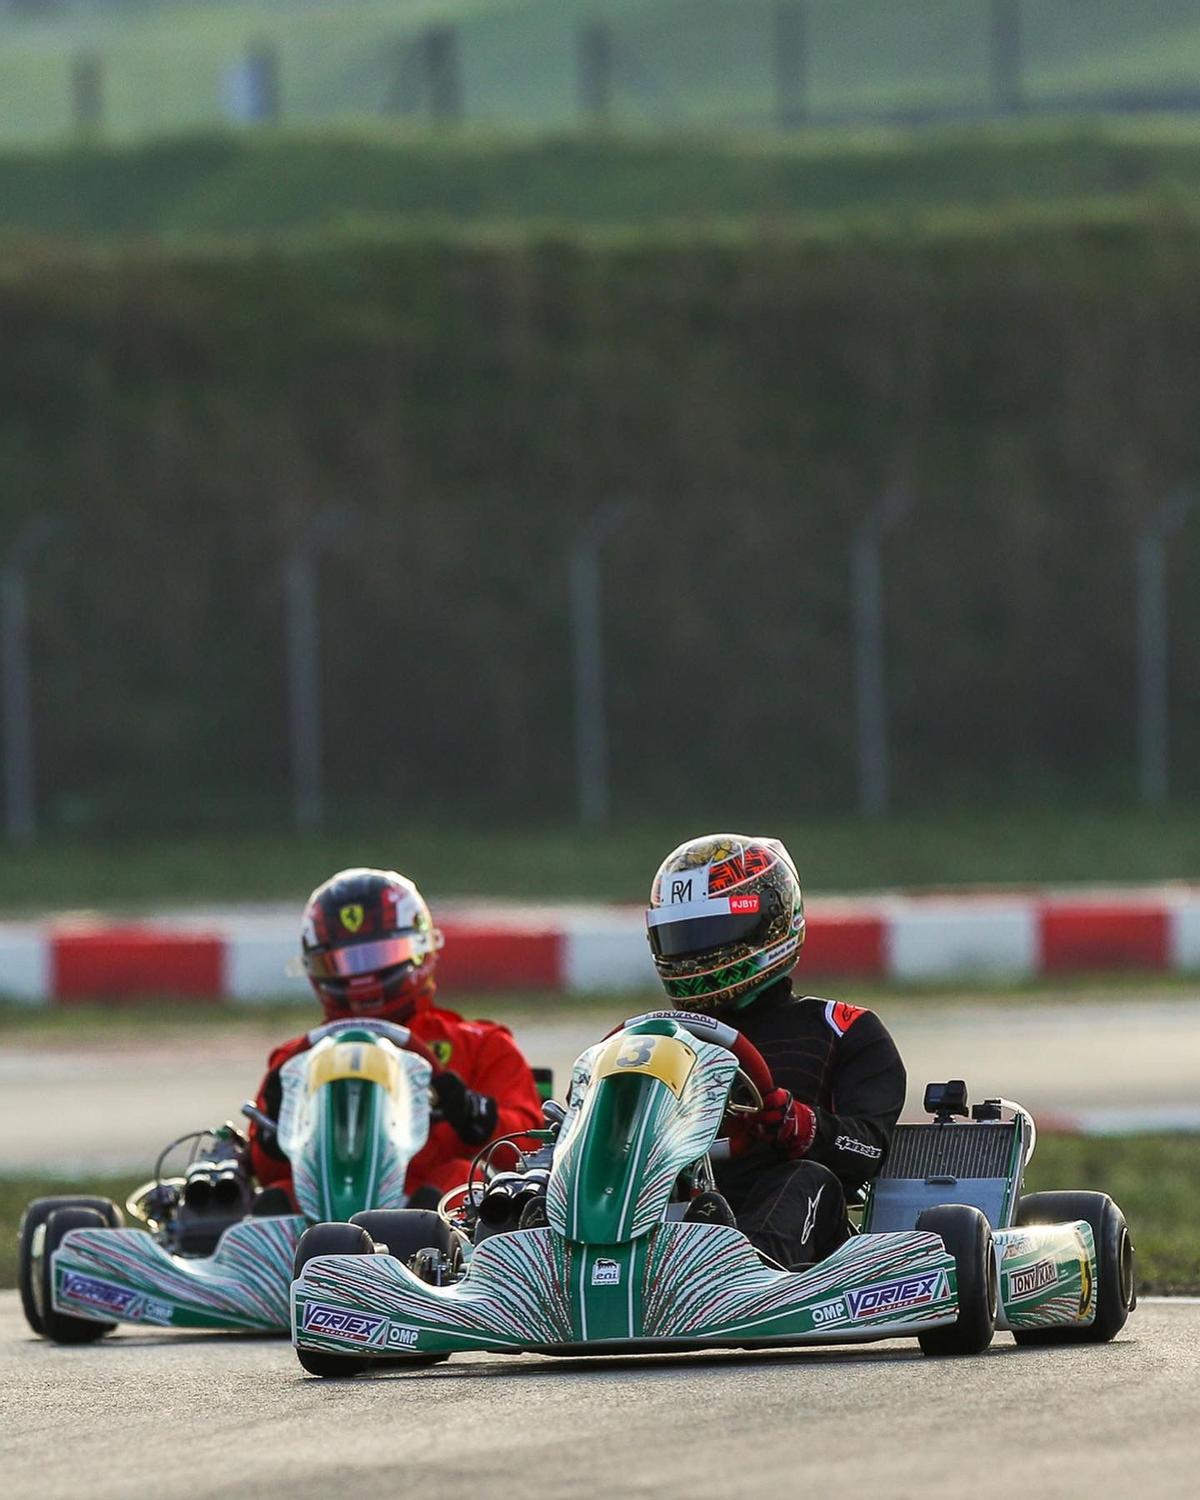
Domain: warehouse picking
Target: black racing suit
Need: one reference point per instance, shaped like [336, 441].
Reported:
[841, 1062]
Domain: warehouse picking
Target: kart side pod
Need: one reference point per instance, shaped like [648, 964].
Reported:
[1063, 1260]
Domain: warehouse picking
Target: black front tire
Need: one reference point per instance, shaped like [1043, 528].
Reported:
[64, 1328]
[331, 1239]
[967, 1236]
[34, 1216]
[1116, 1285]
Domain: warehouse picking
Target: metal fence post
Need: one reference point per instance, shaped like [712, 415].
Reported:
[791, 63]
[87, 92]
[596, 69]
[443, 74]
[587, 630]
[1153, 726]
[869, 693]
[20, 794]
[305, 736]
[1005, 53]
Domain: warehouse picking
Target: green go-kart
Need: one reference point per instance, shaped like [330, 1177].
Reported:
[212, 1253]
[584, 1246]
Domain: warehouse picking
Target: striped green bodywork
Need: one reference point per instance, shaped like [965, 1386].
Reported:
[680, 1285]
[349, 1141]
[626, 1139]
[1047, 1275]
[347, 1137]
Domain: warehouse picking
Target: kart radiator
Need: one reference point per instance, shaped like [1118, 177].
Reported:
[949, 1151]
[932, 1164]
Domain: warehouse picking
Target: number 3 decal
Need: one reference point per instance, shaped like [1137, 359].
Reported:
[637, 1054]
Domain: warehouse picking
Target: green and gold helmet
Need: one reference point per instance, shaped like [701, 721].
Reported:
[726, 917]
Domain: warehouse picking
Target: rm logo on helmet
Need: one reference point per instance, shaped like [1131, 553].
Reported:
[351, 917]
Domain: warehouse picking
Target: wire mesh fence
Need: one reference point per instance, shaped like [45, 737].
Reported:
[669, 64]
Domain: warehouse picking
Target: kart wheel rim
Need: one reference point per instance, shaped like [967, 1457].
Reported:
[1125, 1268]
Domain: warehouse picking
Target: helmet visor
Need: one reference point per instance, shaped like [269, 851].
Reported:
[696, 927]
[365, 958]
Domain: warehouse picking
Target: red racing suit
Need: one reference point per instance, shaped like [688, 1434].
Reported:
[483, 1055]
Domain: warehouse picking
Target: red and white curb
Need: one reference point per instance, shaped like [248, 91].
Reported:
[243, 954]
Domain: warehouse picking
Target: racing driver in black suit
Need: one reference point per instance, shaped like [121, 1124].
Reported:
[726, 925]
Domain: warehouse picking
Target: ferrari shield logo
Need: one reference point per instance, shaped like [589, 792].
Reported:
[351, 917]
[442, 1051]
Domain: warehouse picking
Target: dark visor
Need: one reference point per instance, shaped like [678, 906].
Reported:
[364, 958]
[695, 935]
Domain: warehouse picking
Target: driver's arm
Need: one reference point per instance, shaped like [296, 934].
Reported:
[869, 1085]
[501, 1072]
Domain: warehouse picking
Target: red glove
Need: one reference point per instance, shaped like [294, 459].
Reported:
[783, 1123]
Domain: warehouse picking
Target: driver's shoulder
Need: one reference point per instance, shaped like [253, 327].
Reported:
[437, 1022]
[287, 1050]
[838, 1016]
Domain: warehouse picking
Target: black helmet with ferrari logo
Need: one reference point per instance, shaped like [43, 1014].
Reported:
[368, 945]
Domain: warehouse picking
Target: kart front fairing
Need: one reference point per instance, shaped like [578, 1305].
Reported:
[616, 1267]
[355, 1112]
[642, 1106]
[678, 1286]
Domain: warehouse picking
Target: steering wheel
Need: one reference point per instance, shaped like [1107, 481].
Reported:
[753, 1073]
[399, 1036]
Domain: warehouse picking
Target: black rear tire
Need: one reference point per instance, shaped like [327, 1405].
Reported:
[332, 1239]
[418, 1238]
[64, 1328]
[406, 1231]
[36, 1214]
[967, 1236]
[1116, 1285]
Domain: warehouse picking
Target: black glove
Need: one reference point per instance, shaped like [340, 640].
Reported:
[472, 1115]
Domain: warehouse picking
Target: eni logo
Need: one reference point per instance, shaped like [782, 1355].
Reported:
[351, 917]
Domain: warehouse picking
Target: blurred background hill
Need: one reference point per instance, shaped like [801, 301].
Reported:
[483, 415]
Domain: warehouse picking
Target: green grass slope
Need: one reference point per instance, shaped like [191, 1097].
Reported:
[221, 183]
[679, 62]
[846, 854]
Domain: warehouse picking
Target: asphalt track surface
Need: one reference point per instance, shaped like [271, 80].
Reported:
[171, 1415]
[1129, 1058]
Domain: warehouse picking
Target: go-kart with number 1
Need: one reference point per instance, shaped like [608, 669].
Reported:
[589, 1246]
[211, 1253]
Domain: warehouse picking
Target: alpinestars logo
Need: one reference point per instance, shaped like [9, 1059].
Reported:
[858, 1148]
[810, 1217]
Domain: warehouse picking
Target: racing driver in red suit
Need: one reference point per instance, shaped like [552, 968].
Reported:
[369, 948]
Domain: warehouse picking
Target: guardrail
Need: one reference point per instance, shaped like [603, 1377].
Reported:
[581, 949]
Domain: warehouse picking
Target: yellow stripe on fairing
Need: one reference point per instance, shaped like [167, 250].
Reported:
[663, 1057]
[363, 1062]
